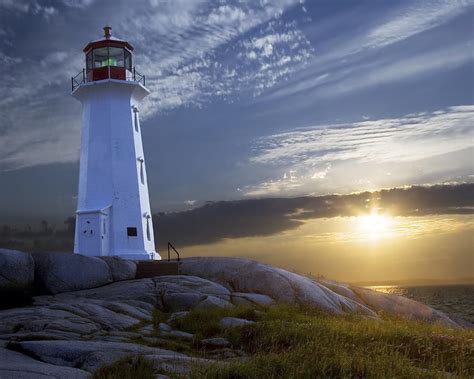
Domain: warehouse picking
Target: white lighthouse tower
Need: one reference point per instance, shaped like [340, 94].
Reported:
[113, 215]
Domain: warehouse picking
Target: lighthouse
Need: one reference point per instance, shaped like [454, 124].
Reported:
[113, 216]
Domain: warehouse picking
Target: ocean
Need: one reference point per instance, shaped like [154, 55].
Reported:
[455, 300]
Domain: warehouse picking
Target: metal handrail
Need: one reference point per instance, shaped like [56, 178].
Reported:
[170, 245]
[137, 77]
[75, 82]
[81, 78]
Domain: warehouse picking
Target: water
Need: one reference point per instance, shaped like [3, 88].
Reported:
[455, 300]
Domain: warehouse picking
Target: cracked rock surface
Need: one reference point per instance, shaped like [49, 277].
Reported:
[72, 334]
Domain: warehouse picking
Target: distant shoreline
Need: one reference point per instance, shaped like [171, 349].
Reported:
[415, 282]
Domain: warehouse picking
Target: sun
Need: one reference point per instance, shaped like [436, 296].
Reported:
[375, 226]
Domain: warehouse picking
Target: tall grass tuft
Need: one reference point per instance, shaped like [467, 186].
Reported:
[291, 342]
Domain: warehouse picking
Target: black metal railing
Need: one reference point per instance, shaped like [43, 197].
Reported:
[170, 246]
[137, 77]
[81, 78]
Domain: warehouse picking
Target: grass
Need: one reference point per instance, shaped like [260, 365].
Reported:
[127, 368]
[299, 343]
[292, 342]
[204, 323]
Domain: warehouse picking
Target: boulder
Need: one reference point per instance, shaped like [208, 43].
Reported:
[132, 292]
[178, 334]
[401, 306]
[16, 278]
[232, 322]
[213, 302]
[176, 302]
[186, 283]
[251, 299]
[244, 275]
[64, 272]
[162, 327]
[16, 269]
[14, 365]
[176, 316]
[121, 269]
[88, 355]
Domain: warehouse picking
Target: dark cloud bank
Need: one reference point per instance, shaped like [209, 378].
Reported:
[262, 217]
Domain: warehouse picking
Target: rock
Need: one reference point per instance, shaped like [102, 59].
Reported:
[243, 275]
[232, 322]
[252, 299]
[176, 316]
[213, 302]
[46, 320]
[121, 269]
[162, 327]
[178, 334]
[146, 330]
[88, 355]
[179, 365]
[16, 269]
[340, 288]
[175, 301]
[181, 293]
[217, 342]
[129, 292]
[402, 306]
[16, 278]
[184, 283]
[64, 272]
[14, 365]
[129, 310]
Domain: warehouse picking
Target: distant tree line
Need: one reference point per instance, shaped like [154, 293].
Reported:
[42, 237]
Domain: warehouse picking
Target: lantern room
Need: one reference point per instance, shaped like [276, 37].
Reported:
[109, 58]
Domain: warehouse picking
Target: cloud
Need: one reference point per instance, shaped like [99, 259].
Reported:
[414, 149]
[216, 221]
[409, 138]
[227, 62]
[414, 19]
[182, 47]
[363, 59]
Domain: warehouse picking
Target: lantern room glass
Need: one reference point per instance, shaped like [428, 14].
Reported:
[108, 56]
[100, 57]
[116, 57]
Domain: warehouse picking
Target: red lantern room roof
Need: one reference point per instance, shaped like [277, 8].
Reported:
[108, 41]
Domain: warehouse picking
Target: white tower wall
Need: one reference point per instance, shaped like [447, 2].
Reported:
[113, 201]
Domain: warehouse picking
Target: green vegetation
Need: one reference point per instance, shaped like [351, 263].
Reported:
[291, 342]
[204, 323]
[127, 368]
[301, 343]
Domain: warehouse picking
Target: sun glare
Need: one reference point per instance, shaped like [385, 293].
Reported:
[375, 226]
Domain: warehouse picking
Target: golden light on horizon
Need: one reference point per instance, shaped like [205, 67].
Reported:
[375, 226]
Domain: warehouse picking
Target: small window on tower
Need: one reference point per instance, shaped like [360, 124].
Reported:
[132, 232]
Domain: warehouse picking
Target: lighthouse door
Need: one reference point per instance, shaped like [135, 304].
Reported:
[90, 234]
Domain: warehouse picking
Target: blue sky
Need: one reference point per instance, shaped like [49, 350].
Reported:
[249, 98]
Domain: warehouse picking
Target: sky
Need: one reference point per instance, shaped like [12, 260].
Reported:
[254, 100]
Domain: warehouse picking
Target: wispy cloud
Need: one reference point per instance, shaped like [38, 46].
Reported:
[414, 19]
[408, 138]
[182, 46]
[387, 141]
[359, 60]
